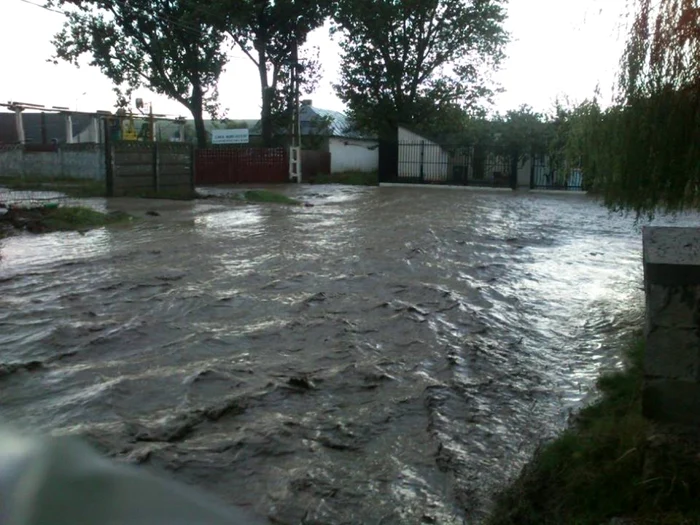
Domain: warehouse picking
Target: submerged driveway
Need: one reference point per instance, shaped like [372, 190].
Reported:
[387, 356]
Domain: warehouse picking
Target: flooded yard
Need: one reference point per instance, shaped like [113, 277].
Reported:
[388, 356]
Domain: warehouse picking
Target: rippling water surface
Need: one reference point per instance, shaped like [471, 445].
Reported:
[387, 356]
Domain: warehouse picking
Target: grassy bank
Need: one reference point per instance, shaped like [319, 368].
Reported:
[355, 178]
[63, 218]
[611, 464]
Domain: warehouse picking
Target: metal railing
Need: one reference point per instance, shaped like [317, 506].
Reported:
[430, 163]
[547, 177]
[427, 162]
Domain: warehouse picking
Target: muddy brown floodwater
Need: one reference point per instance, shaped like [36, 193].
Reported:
[389, 356]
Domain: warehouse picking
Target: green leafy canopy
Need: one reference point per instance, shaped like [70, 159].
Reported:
[403, 59]
[643, 153]
[164, 45]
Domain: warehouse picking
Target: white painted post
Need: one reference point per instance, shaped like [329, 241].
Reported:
[295, 164]
[182, 130]
[69, 129]
[19, 125]
[96, 129]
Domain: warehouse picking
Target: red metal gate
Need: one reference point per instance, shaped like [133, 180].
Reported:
[241, 166]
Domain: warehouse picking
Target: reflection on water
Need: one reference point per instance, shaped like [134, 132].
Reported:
[386, 356]
[25, 252]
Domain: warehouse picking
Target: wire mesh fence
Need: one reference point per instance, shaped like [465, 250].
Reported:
[10, 198]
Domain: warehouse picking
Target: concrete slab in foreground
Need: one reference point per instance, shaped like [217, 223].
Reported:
[672, 359]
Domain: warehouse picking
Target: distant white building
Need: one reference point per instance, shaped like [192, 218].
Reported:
[332, 131]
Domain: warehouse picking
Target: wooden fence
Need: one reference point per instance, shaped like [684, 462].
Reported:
[142, 168]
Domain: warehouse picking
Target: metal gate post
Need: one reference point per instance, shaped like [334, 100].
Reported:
[109, 160]
[514, 171]
[422, 159]
[156, 167]
[192, 167]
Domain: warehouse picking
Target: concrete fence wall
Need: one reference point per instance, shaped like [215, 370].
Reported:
[138, 168]
[83, 161]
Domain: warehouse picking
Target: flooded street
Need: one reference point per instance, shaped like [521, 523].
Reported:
[388, 356]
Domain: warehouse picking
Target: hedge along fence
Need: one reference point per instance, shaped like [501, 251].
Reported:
[138, 168]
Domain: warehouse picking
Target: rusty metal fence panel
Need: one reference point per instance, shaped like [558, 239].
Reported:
[241, 166]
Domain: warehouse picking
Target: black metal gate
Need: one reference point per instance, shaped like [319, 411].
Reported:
[546, 177]
[426, 162]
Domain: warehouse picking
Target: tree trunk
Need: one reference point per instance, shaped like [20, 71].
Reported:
[267, 97]
[198, 115]
[266, 117]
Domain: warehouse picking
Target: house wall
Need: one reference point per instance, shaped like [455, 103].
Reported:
[415, 152]
[84, 161]
[353, 155]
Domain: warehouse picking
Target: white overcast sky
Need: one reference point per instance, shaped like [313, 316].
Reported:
[558, 47]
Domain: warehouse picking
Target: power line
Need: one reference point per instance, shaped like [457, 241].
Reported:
[123, 4]
[45, 7]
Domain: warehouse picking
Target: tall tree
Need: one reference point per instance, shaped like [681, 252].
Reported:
[268, 32]
[642, 153]
[402, 59]
[165, 45]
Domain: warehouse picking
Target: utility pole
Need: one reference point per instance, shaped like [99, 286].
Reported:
[295, 148]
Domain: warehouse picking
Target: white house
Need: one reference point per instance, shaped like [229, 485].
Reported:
[350, 150]
[348, 154]
[332, 131]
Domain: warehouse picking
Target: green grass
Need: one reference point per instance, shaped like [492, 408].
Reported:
[607, 466]
[355, 178]
[267, 196]
[66, 218]
[62, 218]
[70, 186]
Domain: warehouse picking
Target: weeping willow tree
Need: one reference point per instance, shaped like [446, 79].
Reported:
[643, 153]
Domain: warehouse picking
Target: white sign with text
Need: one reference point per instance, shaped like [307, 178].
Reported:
[230, 136]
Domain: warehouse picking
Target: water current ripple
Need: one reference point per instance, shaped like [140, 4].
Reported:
[387, 356]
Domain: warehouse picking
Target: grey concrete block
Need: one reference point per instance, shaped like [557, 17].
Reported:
[677, 246]
[672, 359]
[671, 256]
[673, 306]
[673, 353]
[670, 401]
